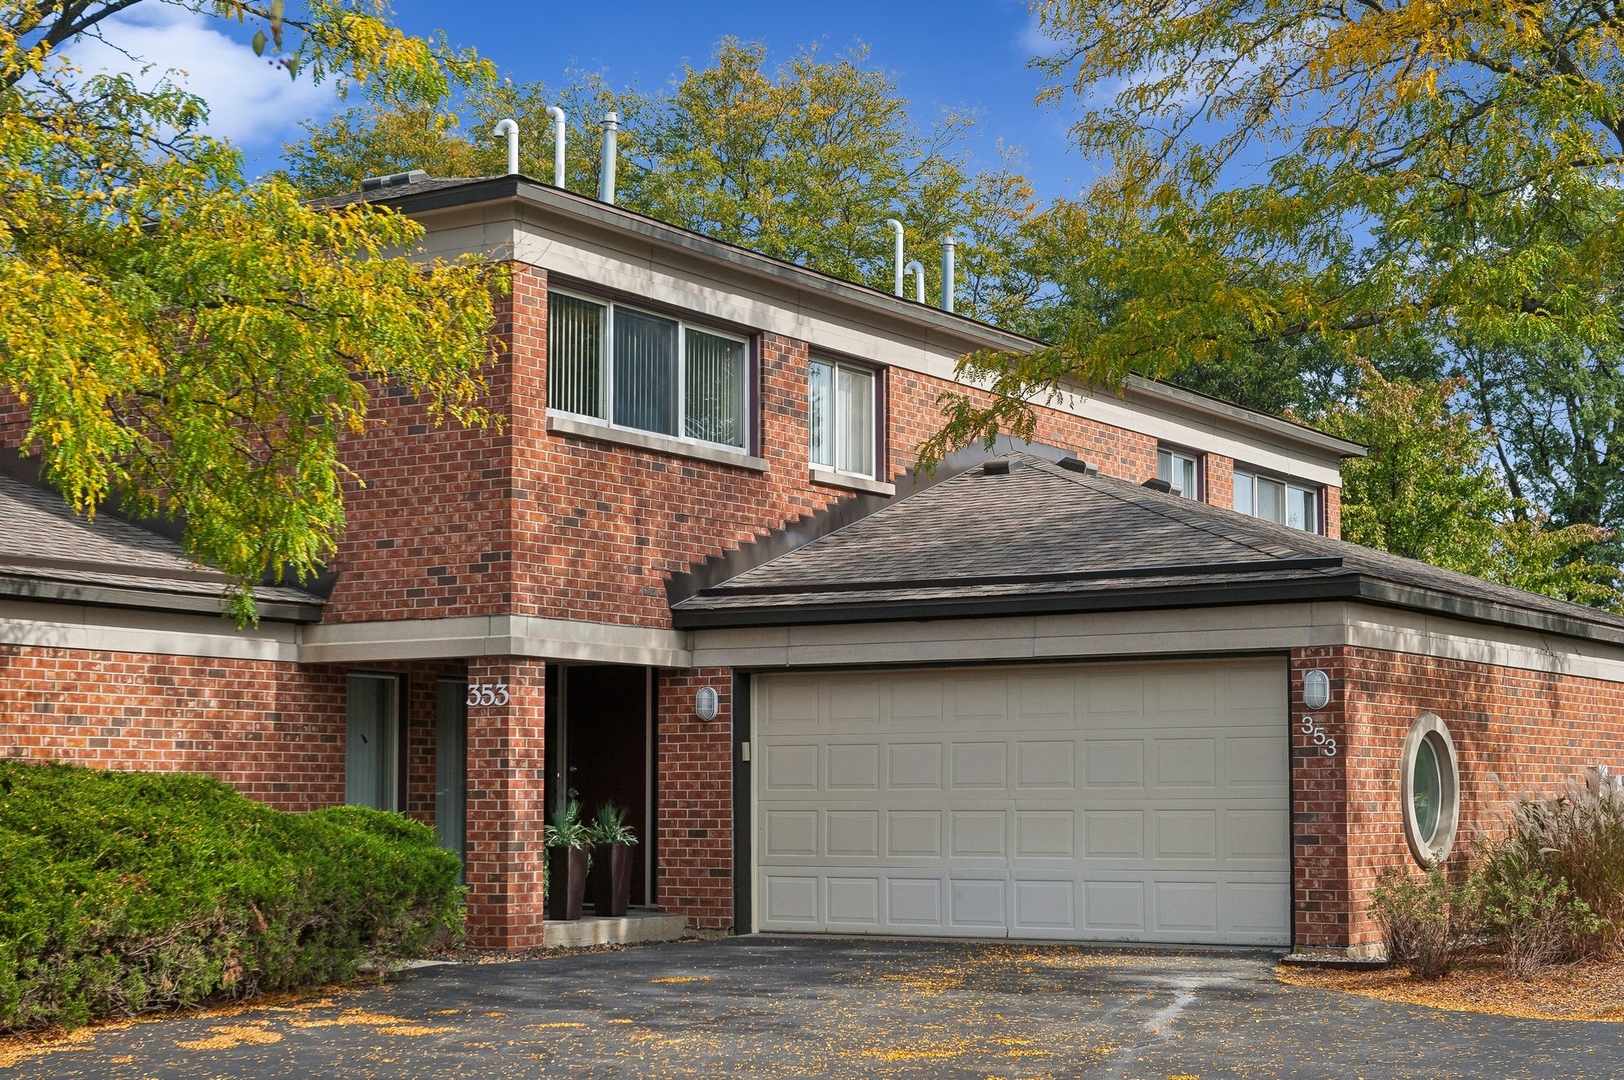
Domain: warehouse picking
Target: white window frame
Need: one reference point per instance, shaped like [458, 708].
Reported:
[876, 417]
[607, 374]
[1198, 467]
[1316, 490]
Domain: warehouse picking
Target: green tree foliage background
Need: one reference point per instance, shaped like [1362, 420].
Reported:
[194, 345]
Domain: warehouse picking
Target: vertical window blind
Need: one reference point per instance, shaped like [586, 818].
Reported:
[645, 372]
[642, 371]
[715, 390]
[575, 355]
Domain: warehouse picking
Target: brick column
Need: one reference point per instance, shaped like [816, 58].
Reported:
[506, 805]
[695, 805]
[1322, 898]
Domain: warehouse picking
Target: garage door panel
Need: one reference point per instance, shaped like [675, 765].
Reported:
[913, 834]
[973, 804]
[1114, 763]
[915, 766]
[1114, 906]
[978, 834]
[979, 701]
[914, 902]
[1045, 765]
[854, 767]
[1111, 697]
[1114, 834]
[793, 702]
[1185, 906]
[1259, 908]
[791, 768]
[853, 902]
[916, 702]
[1185, 834]
[979, 765]
[1045, 834]
[1186, 763]
[852, 834]
[791, 900]
[1045, 701]
[1257, 761]
[791, 834]
[1257, 834]
[854, 703]
[979, 905]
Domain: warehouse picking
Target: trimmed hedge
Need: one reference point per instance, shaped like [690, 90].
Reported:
[124, 892]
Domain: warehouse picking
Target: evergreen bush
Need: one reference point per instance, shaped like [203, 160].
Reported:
[125, 892]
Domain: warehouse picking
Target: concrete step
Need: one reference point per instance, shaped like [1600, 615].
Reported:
[632, 927]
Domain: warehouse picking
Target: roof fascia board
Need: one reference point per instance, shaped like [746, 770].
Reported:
[1138, 386]
[1338, 587]
[149, 600]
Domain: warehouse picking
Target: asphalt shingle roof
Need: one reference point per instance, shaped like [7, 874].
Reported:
[49, 552]
[1043, 538]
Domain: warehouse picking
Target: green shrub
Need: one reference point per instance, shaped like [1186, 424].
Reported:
[1428, 920]
[127, 892]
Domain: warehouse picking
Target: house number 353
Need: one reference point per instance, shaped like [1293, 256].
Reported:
[1325, 742]
[487, 693]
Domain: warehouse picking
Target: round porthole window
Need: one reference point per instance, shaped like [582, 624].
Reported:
[1430, 785]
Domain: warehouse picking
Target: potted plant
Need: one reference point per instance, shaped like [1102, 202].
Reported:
[612, 884]
[569, 857]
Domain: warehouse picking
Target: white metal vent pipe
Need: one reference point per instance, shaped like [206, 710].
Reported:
[560, 125]
[510, 128]
[947, 272]
[606, 178]
[918, 271]
[896, 227]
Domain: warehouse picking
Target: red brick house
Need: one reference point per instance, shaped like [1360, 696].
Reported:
[691, 572]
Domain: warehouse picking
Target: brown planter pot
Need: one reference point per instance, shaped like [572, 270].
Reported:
[612, 881]
[566, 882]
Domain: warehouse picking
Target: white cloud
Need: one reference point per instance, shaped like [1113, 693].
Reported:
[251, 102]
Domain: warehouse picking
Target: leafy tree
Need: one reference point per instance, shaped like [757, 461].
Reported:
[1427, 490]
[193, 345]
[1293, 187]
[804, 162]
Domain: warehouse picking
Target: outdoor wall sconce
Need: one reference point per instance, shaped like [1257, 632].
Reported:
[1316, 690]
[705, 703]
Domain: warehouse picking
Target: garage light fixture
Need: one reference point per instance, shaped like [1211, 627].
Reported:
[706, 703]
[1316, 690]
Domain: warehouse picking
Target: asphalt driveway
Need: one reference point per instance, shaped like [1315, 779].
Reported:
[770, 1007]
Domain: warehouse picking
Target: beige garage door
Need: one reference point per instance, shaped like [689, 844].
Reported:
[1142, 802]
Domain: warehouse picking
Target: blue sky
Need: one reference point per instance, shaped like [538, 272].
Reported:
[945, 55]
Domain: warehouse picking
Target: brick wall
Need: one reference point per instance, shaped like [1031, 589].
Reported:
[458, 522]
[1515, 732]
[505, 809]
[274, 731]
[694, 799]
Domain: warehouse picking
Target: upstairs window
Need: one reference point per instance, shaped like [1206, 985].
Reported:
[1180, 469]
[842, 399]
[636, 370]
[1277, 500]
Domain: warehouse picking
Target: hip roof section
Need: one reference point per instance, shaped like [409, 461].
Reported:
[1044, 539]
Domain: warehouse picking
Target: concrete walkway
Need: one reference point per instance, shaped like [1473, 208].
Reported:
[770, 1007]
